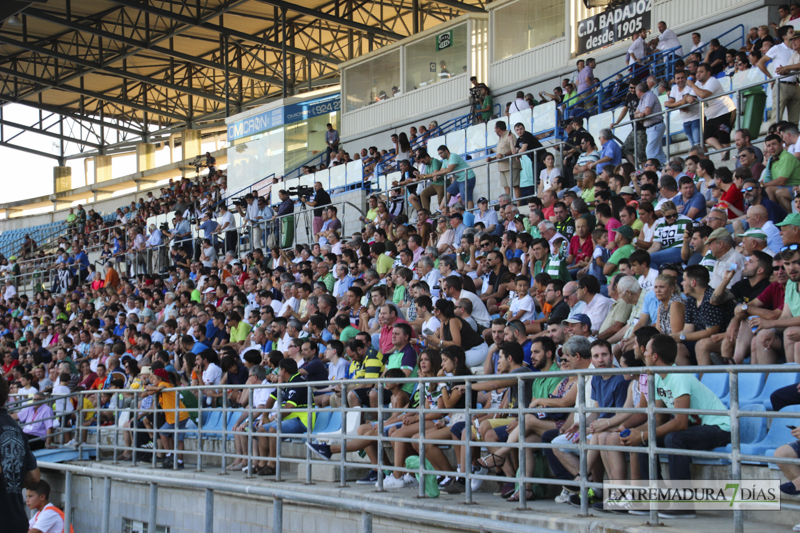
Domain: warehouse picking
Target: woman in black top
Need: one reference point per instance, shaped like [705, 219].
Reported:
[456, 331]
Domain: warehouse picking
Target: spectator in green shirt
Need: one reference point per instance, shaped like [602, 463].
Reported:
[463, 180]
[485, 112]
[325, 276]
[782, 172]
[623, 238]
[344, 329]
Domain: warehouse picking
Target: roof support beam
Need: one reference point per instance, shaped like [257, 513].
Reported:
[230, 32]
[460, 6]
[319, 14]
[47, 133]
[29, 150]
[74, 116]
[99, 96]
[122, 73]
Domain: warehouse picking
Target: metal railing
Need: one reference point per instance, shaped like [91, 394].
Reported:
[469, 412]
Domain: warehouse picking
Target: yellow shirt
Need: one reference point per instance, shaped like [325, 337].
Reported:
[166, 400]
[384, 264]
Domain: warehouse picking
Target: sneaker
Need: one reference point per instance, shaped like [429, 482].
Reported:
[564, 496]
[180, 465]
[370, 478]
[167, 465]
[476, 483]
[457, 486]
[686, 513]
[796, 528]
[615, 509]
[71, 444]
[575, 499]
[444, 481]
[391, 483]
[410, 480]
[148, 446]
[323, 450]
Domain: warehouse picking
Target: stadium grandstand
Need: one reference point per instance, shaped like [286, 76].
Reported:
[318, 265]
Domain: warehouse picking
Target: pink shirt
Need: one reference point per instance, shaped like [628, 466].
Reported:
[612, 225]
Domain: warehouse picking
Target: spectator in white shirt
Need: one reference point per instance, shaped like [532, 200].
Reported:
[697, 44]
[790, 92]
[519, 104]
[667, 40]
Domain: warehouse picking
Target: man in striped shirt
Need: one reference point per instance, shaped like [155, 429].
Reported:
[668, 237]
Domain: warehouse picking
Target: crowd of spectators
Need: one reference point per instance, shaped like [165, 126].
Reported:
[624, 260]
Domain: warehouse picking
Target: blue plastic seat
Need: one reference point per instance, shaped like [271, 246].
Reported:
[778, 433]
[751, 430]
[718, 383]
[775, 381]
[212, 423]
[322, 421]
[751, 384]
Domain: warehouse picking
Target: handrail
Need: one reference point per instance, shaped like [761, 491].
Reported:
[523, 383]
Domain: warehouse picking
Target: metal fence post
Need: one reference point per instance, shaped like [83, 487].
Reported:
[309, 426]
[380, 437]
[134, 429]
[224, 437]
[199, 394]
[277, 515]
[422, 422]
[736, 466]
[249, 434]
[209, 511]
[366, 522]
[652, 440]
[582, 443]
[521, 403]
[98, 426]
[342, 467]
[467, 442]
[68, 501]
[106, 504]
[151, 522]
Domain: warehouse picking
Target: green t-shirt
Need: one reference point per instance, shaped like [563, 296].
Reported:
[399, 295]
[623, 252]
[677, 385]
[461, 165]
[786, 166]
[792, 298]
[384, 264]
[588, 195]
[240, 332]
[348, 333]
[196, 296]
[396, 361]
[329, 281]
[487, 102]
[435, 165]
[542, 387]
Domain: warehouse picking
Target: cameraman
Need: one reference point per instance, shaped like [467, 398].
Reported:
[250, 216]
[318, 199]
[227, 224]
[181, 235]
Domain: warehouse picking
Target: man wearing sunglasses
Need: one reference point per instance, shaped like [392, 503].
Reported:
[668, 237]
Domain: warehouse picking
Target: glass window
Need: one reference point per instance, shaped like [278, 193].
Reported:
[372, 81]
[435, 58]
[526, 24]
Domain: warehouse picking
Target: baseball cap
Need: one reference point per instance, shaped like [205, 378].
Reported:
[625, 231]
[145, 370]
[756, 233]
[792, 219]
[580, 318]
[718, 233]
[160, 372]
[483, 200]
[627, 190]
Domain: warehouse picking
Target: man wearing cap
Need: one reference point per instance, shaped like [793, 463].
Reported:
[790, 229]
[722, 245]
[623, 237]
[457, 223]
[690, 202]
[580, 325]
[754, 240]
[627, 193]
[486, 215]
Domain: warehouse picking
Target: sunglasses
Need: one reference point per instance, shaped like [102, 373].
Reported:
[778, 268]
[673, 215]
[748, 189]
[790, 247]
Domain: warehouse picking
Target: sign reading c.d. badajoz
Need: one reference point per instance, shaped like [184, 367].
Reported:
[613, 25]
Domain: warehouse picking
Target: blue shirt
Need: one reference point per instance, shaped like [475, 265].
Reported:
[611, 392]
[181, 229]
[82, 259]
[199, 347]
[526, 349]
[208, 227]
[344, 285]
[511, 254]
[775, 213]
[610, 149]
[696, 201]
[651, 306]
[469, 219]
[459, 231]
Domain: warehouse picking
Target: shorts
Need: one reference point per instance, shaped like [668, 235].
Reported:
[293, 425]
[386, 427]
[562, 439]
[457, 430]
[505, 175]
[719, 128]
[795, 446]
[169, 427]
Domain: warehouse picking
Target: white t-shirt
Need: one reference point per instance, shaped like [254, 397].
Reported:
[339, 370]
[690, 113]
[781, 56]
[647, 233]
[700, 45]
[518, 105]
[47, 520]
[431, 325]
[718, 106]
[648, 282]
[227, 217]
[212, 374]
[636, 51]
[669, 40]
[547, 179]
[62, 405]
[524, 304]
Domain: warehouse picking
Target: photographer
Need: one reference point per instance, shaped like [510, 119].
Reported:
[251, 217]
[227, 224]
[181, 235]
[318, 199]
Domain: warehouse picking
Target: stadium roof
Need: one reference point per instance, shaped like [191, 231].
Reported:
[105, 74]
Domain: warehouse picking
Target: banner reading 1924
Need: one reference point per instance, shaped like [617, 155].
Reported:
[613, 25]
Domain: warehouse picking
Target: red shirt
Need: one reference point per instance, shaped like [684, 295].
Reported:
[244, 276]
[581, 251]
[733, 196]
[385, 343]
[549, 212]
[7, 367]
[773, 296]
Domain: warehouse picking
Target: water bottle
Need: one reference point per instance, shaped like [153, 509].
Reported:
[624, 433]
[752, 327]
